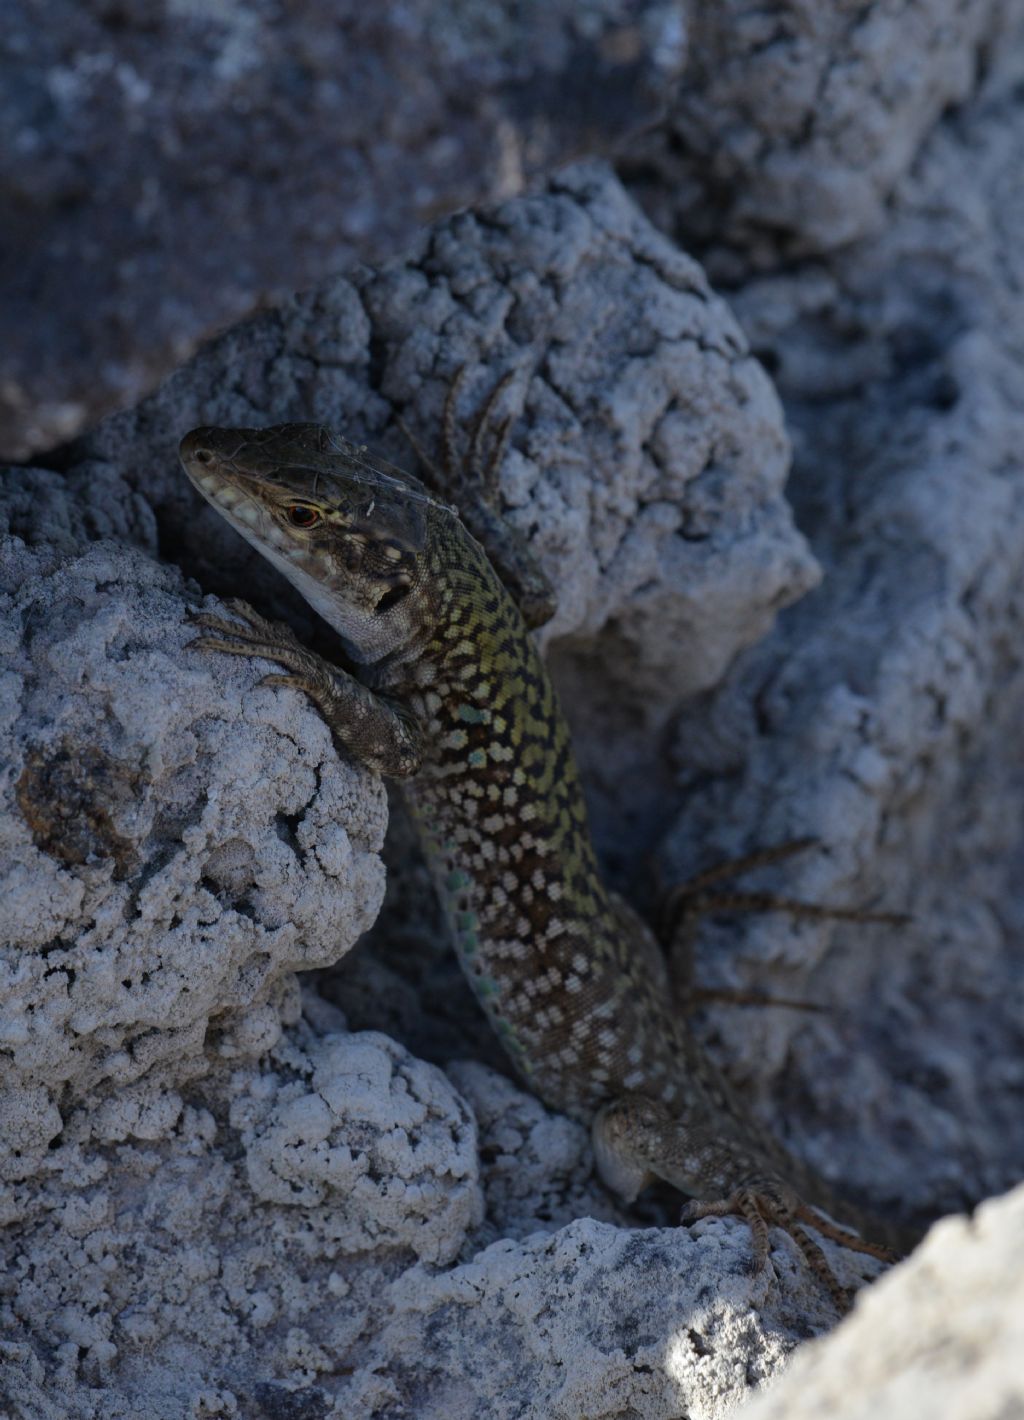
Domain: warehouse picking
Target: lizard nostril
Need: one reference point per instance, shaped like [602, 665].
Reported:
[203, 456]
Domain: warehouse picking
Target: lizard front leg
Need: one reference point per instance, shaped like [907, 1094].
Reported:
[637, 1140]
[373, 731]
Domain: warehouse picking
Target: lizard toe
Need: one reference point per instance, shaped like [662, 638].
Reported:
[769, 1206]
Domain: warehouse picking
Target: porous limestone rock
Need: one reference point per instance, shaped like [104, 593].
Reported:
[42, 508]
[176, 842]
[370, 1142]
[246, 1211]
[883, 716]
[238, 1241]
[536, 1168]
[646, 468]
[285, 1168]
[302, 1236]
[796, 121]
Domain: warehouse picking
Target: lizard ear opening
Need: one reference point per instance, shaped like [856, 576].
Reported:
[393, 596]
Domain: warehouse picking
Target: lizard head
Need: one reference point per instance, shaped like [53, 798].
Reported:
[347, 529]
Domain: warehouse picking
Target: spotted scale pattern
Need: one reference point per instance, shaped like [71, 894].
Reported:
[454, 698]
[501, 810]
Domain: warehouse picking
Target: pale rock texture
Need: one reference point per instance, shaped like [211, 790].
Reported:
[181, 1251]
[364, 1137]
[280, 1240]
[40, 507]
[536, 1168]
[646, 468]
[647, 463]
[221, 1206]
[224, 1198]
[883, 716]
[176, 842]
[593, 1321]
[795, 121]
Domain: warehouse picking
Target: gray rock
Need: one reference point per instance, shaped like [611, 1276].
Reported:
[359, 1135]
[536, 1168]
[194, 1094]
[271, 1245]
[795, 122]
[646, 468]
[57, 516]
[223, 1207]
[593, 1321]
[167, 170]
[175, 844]
[883, 716]
[160, 1266]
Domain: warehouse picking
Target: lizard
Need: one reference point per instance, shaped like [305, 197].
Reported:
[447, 693]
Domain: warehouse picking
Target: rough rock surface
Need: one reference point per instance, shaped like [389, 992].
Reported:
[646, 468]
[883, 716]
[175, 843]
[275, 1245]
[166, 169]
[247, 1134]
[176, 1253]
[794, 122]
[941, 1337]
[41, 508]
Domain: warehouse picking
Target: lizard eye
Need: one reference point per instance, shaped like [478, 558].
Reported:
[301, 515]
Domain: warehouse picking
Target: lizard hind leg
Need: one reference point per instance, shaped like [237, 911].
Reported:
[470, 480]
[685, 904]
[763, 1205]
[637, 1140]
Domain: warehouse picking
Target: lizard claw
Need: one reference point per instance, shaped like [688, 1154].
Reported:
[762, 1208]
[251, 635]
[249, 622]
[745, 1203]
[208, 643]
[213, 622]
[296, 682]
[260, 625]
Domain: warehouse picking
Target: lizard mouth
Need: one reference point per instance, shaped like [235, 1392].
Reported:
[233, 494]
